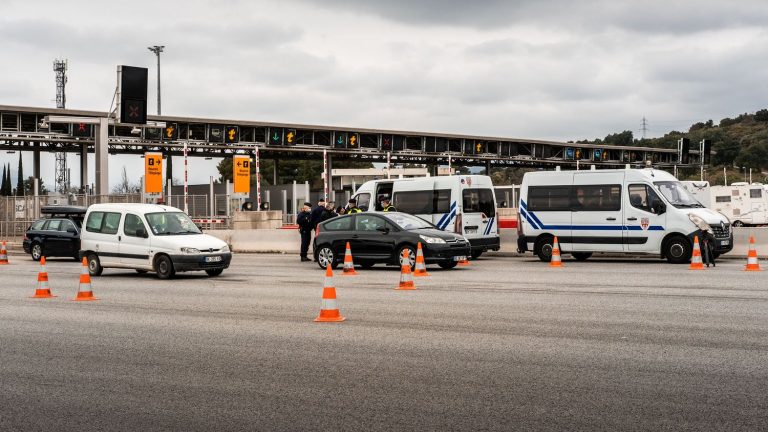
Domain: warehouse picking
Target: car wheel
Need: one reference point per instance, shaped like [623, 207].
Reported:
[214, 272]
[36, 251]
[164, 267]
[543, 247]
[411, 255]
[448, 264]
[581, 256]
[325, 257]
[738, 223]
[476, 254]
[140, 271]
[94, 265]
[678, 250]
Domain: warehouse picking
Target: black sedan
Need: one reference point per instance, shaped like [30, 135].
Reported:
[58, 235]
[382, 237]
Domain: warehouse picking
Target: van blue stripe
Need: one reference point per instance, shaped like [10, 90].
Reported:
[442, 219]
[448, 221]
[531, 217]
[528, 218]
[489, 227]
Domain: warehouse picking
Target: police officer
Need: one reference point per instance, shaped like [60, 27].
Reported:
[385, 204]
[330, 211]
[352, 207]
[304, 220]
[316, 216]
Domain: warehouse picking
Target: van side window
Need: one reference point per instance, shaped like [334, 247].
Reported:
[363, 201]
[132, 224]
[105, 223]
[478, 201]
[723, 198]
[423, 201]
[597, 197]
[549, 198]
[642, 197]
[755, 193]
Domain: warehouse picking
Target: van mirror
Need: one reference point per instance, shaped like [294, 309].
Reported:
[141, 232]
[659, 207]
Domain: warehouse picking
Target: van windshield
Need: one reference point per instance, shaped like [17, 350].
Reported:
[677, 195]
[176, 223]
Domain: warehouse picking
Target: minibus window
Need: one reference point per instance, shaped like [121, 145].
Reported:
[643, 197]
[478, 201]
[363, 201]
[597, 197]
[549, 198]
[423, 202]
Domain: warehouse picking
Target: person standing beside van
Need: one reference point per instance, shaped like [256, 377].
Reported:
[386, 206]
[304, 221]
[352, 207]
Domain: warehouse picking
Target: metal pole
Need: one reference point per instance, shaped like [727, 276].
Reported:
[325, 175]
[213, 202]
[257, 160]
[186, 179]
[449, 165]
[725, 176]
[389, 154]
[157, 49]
[750, 176]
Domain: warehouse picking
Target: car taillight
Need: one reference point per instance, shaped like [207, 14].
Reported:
[317, 230]
[457, 227]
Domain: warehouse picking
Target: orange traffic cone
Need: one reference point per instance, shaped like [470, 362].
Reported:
[3, 254]
[84, 292]
[753, 264]
[556, 260]
[421, 266]
[696, 263]
[43, 289]
[406, 280]
[349, 266]
[464, 262]
[329, 311]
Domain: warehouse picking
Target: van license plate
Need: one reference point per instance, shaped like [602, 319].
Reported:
[212, 259]
[459, 258]
[470, 231]
[725, 242]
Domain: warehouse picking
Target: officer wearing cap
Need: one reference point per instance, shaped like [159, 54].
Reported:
[352, 207]
[304, 221]
[385, 204]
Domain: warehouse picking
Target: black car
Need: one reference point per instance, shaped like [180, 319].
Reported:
[382, 237]
[57, 235]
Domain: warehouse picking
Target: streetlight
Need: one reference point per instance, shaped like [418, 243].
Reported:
[157, 49]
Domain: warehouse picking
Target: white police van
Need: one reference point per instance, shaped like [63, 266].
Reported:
[464, 204]
[643, 211]
[149, 237]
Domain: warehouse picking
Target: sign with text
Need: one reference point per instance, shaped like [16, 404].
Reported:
[153, 173]
[241, 165]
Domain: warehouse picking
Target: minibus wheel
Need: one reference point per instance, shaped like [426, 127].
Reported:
[678, 250]
[543, 247]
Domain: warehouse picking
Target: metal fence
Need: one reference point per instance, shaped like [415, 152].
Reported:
[17, 213]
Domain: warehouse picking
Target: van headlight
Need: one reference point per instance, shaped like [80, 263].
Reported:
[190, 250]
[699, 222]
[429, 239]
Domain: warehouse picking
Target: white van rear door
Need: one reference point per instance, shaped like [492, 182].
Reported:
[478, 209]
[597, 220]
[446, 195]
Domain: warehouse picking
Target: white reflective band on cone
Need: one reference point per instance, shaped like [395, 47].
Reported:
[329, 304]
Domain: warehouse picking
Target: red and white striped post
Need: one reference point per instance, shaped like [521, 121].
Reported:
[258, 179]
[186, 178]
[325, 175]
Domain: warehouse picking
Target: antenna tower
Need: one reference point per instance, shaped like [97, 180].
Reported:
[62, 177]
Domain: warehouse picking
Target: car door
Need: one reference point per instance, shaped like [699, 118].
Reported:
[53, 244]
[597, 215]
[134, 242]
[369, 239]
[68, 238]
[644, 228]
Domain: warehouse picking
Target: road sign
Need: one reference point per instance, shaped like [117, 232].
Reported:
[241, 166]
[232, 134]
[275, 136]
[81, 130]
[171, 132]
[290, 136]
[133, 94]
[341, 140]
[153, 173]
[353, 140]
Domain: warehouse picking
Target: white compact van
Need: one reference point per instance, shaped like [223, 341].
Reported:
[464, 204]
[638, 211]
[149, 237]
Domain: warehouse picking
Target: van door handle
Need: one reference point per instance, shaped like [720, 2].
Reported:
[355, 236]
[610, 219]
[632, 219]
[119, 238]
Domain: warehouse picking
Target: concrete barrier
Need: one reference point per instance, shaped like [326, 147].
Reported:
[288, 241]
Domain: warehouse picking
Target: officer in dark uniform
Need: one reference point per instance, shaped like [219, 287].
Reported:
[316, 216]
[352, 207]
[304, 221]
[385, 204]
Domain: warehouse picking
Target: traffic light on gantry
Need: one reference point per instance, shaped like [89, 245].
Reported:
[232, 134]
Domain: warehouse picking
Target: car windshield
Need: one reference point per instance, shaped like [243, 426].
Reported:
[176, 223]
[676, 194]
[408, 222]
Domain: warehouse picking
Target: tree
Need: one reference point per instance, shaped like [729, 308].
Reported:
[762, 115]
[29, 185]
[125, 186]
[622, 139]
[20, 178]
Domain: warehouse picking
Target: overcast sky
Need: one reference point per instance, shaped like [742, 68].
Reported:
[558, 70]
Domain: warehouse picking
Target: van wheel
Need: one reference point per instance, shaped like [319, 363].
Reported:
[581, 256]
[678, 250]
[214, 272]
[543, 247]
[94, 265]
[164, 267]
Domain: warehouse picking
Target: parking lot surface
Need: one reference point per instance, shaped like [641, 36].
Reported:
[504, 344]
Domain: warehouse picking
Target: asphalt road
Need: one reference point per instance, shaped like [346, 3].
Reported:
[505, 344]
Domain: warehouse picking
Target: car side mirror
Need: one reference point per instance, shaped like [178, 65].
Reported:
[141, 232]
[384, 230]
[659, 207]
